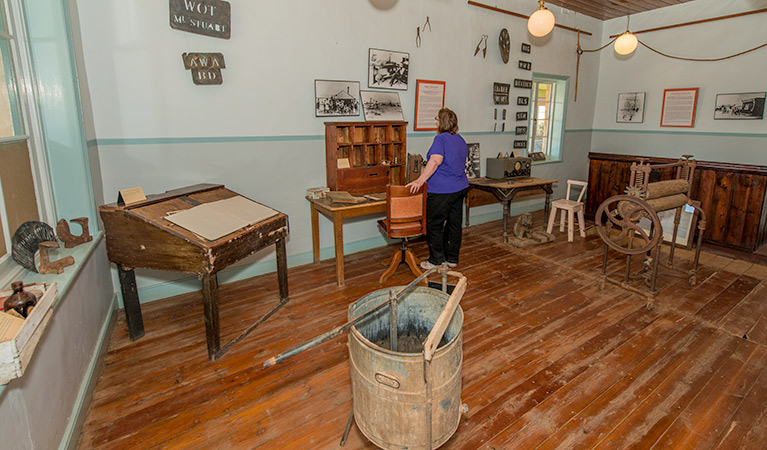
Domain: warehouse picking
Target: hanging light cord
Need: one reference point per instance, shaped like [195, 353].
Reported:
[580, 51]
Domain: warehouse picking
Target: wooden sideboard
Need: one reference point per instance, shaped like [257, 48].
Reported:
[731, 195]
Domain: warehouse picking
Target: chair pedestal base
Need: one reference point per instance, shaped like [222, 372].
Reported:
[402, 254]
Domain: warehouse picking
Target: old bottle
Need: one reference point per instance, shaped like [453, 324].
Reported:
[20, 300]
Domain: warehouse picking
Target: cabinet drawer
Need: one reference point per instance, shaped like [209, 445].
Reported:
[363, 180]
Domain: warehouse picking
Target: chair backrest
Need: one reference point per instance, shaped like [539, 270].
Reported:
[583, 186]
[405, 212]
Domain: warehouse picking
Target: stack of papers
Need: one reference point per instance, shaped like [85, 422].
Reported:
[217, 219]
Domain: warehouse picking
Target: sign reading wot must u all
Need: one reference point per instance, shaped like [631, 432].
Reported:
[206, 17]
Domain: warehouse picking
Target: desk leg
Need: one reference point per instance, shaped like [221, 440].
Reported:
[131, 302]
[338, 233]
[282, 269]
[506, 211]
[315, 233]
[210, 301]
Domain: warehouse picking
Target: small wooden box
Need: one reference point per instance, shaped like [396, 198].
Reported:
[16, 353]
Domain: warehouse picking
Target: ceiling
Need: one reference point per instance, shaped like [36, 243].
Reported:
[610, 9]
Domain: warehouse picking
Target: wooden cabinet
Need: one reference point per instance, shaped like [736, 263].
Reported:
[731, 195]
[363, 157]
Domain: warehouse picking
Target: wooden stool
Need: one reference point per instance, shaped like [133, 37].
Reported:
[571, 207]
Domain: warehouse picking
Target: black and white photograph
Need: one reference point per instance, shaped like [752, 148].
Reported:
[388, 69]
[378, 105]
[630, 107]
[747, 105]
[472, 162]
[336, 98]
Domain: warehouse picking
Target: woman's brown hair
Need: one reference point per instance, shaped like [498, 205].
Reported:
[448, 121]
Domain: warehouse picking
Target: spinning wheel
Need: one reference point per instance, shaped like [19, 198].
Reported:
[617, 220]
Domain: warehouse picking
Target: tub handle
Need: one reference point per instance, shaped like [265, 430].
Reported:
[387, 380]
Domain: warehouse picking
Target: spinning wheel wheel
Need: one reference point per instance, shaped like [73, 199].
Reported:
[617, 220]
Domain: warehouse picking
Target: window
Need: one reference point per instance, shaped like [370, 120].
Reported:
[19, 201]
[547, 115]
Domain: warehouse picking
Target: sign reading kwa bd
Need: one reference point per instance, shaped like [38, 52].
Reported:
[206, 17]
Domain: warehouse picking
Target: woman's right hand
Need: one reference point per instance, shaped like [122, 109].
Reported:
[415, 185]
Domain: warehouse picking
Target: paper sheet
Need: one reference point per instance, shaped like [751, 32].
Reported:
[9, 326]
[217, 219]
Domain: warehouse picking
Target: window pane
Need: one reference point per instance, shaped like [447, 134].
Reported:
[18, 184]
[10, 124]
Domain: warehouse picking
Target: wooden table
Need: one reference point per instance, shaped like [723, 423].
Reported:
[506, 190]
[337, 213]
[138, 235]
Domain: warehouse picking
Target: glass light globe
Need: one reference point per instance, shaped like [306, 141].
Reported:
[541, 22]
[625, 44]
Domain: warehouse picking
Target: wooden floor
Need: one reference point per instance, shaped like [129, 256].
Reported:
[550, 360]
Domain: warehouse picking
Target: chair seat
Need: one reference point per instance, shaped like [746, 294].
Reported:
[399, 230]
[567, 204]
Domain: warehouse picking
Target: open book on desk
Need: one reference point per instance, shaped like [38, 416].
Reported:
[217, 219]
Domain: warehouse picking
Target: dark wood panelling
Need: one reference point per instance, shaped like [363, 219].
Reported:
[731, 195]
[610, 9]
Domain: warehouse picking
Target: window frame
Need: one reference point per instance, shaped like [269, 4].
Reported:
[557, 114]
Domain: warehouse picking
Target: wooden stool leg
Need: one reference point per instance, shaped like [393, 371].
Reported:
[396, 258]
[562, 221]
[581, 223]
[552, 217]
[570, 225]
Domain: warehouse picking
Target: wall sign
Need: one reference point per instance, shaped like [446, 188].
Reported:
[525, 48]
[205, 67]
[206, 17]
[679, 107]
[500, 93]
[520, 144]
[429, 99]
[522, 115]
[526, 65]
[523, 101]
[520, 130]
[524, 84]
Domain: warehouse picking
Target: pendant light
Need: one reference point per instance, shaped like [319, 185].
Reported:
[541, 22]
[626, 42]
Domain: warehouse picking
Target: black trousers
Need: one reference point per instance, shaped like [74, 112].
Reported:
[444, 214]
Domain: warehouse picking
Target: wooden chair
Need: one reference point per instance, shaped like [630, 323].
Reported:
[571, 207]
[405, 218]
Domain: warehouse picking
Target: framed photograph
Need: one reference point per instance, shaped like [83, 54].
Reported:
[679, 107]
[744, 106]
[501, 93]
[685, 234]
[630, 107]
[336, 98]
[379, 105]
[388, 69]
[472, 162]
[429, 99]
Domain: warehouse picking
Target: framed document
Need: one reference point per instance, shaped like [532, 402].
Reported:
[429, 99]
[679, 107]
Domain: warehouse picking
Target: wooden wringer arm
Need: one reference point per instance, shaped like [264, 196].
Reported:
[618, 217]
[48, 266]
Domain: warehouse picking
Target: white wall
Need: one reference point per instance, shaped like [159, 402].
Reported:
[738, 141]
[257, 132]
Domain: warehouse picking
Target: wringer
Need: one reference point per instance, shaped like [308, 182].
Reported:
[617, 220]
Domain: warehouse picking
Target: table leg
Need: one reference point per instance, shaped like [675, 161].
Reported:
[131, 302]
[506, 211]
[315, 233]
[547, 206]
[282, 269]
[210, 302]
[338, 241]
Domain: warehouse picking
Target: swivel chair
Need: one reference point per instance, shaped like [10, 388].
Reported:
[405, 218]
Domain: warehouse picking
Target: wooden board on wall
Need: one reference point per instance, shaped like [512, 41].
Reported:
[731, 195]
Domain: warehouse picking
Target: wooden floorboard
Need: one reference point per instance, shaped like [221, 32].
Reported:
[550, 360]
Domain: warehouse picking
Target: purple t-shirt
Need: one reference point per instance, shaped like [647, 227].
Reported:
[450, 176]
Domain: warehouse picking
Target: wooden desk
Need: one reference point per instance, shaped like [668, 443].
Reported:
[138, 235]
[337, 213]
[506, 190]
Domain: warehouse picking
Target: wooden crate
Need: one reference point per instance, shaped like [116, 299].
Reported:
[16, 353]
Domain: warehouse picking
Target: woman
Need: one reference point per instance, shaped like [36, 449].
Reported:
[447, 186]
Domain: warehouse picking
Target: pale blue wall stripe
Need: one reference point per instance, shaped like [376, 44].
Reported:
[676, 132]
